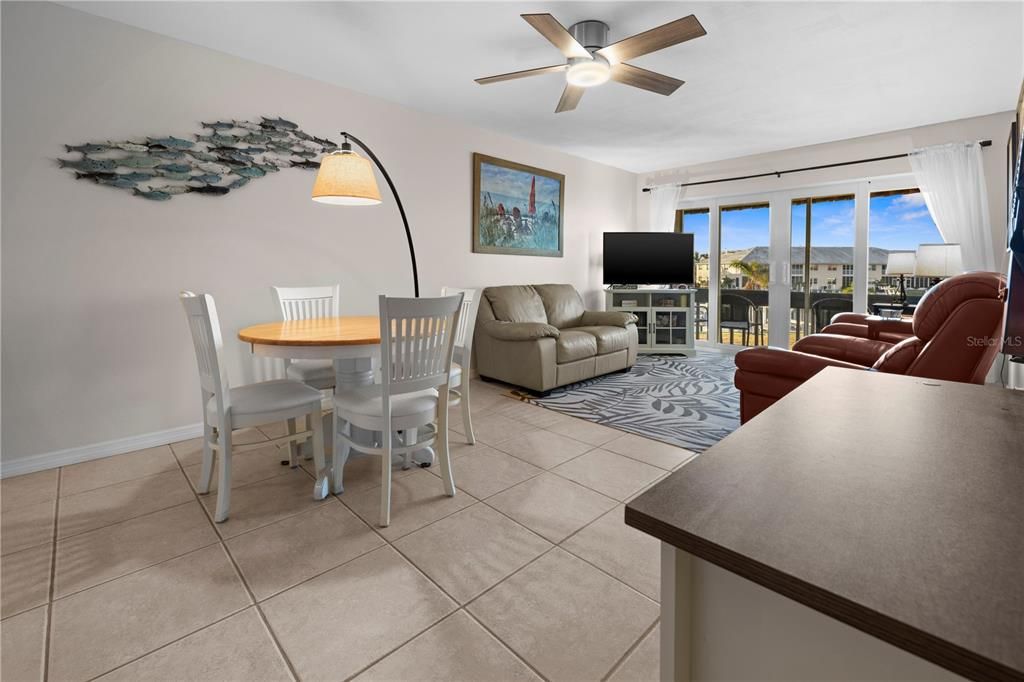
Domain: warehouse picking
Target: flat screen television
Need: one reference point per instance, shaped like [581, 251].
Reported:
[648, 258]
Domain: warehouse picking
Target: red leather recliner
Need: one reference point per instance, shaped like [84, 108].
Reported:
[870, 327]
[955, 336]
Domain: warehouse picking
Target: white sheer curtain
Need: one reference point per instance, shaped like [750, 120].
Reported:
[664, 203]
[952, 180]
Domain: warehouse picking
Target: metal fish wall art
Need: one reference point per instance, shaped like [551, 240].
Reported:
[226, 156]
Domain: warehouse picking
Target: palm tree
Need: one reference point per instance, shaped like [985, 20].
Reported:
[755, 274]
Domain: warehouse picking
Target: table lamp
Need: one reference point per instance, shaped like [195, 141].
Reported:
[938, 261]
[346, 179]
[901, 263]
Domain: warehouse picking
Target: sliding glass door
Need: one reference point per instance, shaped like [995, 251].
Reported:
[744, 247]
[822, 261]
[771, 268]
[899, 222]
[697, 221]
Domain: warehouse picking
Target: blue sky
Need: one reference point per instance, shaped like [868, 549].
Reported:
[896, 222]
[514, 183]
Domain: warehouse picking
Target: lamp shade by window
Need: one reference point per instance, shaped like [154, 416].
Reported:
[938, 260]
[347, 179]
[901, 263]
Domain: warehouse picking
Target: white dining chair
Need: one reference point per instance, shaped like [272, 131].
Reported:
[462, 357]
[304, 303]
[226, 409]
[410, 404]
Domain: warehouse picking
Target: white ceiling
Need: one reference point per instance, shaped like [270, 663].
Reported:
[767, 76]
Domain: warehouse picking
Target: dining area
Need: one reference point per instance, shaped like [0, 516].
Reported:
[371, 386]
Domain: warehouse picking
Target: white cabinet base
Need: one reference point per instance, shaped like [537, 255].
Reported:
[716, 625]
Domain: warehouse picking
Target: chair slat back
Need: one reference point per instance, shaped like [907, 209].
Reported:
[204, 325]
[417, 341]
[467, 322]
[304, 303]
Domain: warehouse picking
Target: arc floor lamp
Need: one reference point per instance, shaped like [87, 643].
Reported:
[346, 179]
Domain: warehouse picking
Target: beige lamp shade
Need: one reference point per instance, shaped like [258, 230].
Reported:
[901, 263]
[347, 179]
[939, 260]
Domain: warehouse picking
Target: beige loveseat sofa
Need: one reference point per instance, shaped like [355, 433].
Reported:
[540, 337]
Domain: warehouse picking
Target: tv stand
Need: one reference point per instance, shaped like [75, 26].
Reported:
[666, 316]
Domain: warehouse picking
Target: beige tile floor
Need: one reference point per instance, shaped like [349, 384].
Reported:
[112, 569]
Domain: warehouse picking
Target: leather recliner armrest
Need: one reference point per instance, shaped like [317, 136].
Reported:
[519, 331]
[849, 318]
[855, 349]
[606, 318]
[787, 363]
[879, 325]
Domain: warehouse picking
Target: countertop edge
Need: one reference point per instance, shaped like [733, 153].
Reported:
[906, 637]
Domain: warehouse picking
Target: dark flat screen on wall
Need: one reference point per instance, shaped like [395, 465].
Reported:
[648, 258]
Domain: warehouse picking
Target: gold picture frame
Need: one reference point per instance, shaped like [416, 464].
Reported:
[515, 209]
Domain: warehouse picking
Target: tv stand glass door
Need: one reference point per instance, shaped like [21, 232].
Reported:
[665, 317]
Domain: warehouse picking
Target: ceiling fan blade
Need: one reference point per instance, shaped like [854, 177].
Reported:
[549, 27]
[570, 98]
[644, 79]
[522, 74]
[659, 38]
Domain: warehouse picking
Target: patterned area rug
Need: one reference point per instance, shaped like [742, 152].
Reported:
[689, 402]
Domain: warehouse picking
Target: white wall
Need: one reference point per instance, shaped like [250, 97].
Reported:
[994, 127]
[94, 342]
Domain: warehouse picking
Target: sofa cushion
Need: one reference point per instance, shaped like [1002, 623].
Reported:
[609, 339]
[516, 304]
[562, 303]
[575, 345]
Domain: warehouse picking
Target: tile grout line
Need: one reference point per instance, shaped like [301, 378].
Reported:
[500, 641]
[134, 571]
[241, 578]
[617, 665]
[386, 542]
[127, 480]
[120, 521]
[173, 641]
[564, 549]
[458, 607]
[262, 616]
[53, 580]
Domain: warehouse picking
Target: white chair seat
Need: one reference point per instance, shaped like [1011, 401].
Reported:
[364, 407]
[253, 403]
[317, 373]
[455, 376]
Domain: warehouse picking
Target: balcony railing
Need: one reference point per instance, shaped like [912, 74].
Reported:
[743, 319]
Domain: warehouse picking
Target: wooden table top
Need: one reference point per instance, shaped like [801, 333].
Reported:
[361, 330]
[893, 504]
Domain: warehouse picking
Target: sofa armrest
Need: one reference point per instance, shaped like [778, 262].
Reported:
[787, 363]
[518, 331]
[607, 318]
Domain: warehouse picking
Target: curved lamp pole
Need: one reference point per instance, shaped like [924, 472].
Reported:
[347, 179]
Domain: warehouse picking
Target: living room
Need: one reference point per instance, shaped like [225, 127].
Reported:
[725, 300]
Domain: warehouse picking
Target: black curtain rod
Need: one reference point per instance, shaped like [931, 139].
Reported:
[779, 174]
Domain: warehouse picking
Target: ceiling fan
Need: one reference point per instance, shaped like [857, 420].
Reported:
[591, 61]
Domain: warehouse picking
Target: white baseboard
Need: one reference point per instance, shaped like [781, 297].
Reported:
[84, 453]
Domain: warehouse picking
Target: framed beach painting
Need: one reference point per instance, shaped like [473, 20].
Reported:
[517, 209]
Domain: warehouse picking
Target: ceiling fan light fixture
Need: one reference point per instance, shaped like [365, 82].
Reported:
[586, 73]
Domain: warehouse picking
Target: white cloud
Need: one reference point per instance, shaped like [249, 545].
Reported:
[909, 200]
[915, 215]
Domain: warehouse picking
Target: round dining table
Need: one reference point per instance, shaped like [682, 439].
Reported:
[351, 342]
